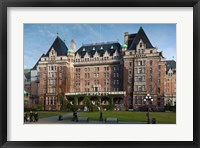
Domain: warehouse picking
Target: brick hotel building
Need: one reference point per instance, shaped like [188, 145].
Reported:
[132, 70]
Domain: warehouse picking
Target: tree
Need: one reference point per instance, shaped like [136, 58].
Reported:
[41, 103]
[87, 102]
[62, 100]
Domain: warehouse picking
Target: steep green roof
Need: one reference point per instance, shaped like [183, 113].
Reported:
[124, 46]
[71, 50]
[26, 93]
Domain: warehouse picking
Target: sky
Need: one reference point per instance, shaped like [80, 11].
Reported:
[39, 37]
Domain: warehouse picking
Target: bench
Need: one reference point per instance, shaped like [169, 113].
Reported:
[83, 119]
[111, 120]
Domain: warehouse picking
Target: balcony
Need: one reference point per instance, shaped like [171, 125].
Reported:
[100, 93]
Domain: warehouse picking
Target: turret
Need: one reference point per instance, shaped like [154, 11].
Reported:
[126, 38]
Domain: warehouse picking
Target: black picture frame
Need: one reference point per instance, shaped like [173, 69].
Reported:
[4, 4]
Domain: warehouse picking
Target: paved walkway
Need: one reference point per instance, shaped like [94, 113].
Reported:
[54, 120]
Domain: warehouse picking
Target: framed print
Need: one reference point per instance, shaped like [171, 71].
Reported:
[104, 73]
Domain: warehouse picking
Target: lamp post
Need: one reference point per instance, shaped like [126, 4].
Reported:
[148, 99]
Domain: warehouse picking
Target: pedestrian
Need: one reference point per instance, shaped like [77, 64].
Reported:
[73, 118]
[25, 117]
[76, 116]
[36, 117]
[31, 116]
[101, 116]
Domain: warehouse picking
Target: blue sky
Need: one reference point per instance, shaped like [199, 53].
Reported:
[39, 37]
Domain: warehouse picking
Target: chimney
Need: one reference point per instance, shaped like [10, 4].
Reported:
[126, 38]
[73, 44]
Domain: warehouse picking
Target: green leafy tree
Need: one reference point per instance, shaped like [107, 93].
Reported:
[62, 100]
[41, 104]
[87, 102]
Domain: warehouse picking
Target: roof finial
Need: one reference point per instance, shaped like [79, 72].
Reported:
[57, 33]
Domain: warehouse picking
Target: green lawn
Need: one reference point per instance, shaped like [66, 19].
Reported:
[45, 114]
[161, 117]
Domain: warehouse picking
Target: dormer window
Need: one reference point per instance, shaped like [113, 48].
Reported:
[93, 48]
[83, 49]
[101, 48]
[112, 47]
[140, 44]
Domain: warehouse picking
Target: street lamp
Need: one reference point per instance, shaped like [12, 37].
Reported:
[148, 99]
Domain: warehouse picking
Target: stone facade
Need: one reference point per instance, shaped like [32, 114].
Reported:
[133, 69]
[170, 84]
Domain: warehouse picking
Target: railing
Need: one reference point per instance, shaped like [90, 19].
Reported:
[97, 93]
[97, 62]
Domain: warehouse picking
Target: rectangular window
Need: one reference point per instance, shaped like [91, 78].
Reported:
[140, 79]
[159, 66]
[136, 79]
[158, 90]
[139, 88]
[150, 70]
[144, 70]
[159, 73]
[158, 81]
[130, 80]
[130, 64]
[150, 78]
[140, 70]
[144, 62]
[143, 78]
[130, 90]
[136, 100]
[136, 71]
[150, 88]
[143, 88]
[151, 62]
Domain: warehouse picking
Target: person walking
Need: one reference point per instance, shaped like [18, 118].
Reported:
[25, 117]
[31, 116]
[36, 116]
